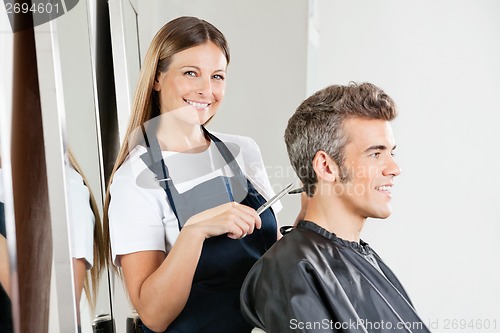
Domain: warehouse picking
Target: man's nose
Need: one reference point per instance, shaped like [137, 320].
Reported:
[392, 169]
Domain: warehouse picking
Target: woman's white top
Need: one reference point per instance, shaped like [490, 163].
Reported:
[140, 217]
[81, 218]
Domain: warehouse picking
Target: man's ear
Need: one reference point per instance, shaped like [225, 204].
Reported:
[325, 167]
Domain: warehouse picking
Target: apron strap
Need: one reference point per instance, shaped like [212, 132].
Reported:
[154, 160]
[225, 152]
[230, 160]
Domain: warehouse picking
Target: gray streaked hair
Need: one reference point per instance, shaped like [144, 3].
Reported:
[317, 124]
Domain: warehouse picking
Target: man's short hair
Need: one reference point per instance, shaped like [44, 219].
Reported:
[317, 124]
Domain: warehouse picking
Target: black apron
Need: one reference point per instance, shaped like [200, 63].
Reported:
[213, 304]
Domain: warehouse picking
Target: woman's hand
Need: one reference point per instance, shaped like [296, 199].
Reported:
[234, 219]
[152, 273]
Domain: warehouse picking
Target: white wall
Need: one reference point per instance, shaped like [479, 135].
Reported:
[439, 60]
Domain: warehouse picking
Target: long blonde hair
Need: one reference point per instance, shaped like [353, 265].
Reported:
[91, 283]
[177, 35]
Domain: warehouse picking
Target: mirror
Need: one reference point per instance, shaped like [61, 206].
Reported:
[66, 66]
[84, 167]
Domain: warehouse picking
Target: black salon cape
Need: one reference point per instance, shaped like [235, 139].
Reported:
[312, 281]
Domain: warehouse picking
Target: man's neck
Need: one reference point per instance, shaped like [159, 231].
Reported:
[331, 214]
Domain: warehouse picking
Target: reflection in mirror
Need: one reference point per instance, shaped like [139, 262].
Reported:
[5, 303]
[86, 235]
[83, 167]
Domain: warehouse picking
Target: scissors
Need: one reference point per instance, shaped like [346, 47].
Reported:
[271, 201]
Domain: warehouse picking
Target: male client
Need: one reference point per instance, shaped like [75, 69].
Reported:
[321, 277]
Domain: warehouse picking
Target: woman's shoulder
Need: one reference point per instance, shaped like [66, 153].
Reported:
[131, 163]
[134, 172]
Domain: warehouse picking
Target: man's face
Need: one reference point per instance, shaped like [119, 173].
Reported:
[370, 168]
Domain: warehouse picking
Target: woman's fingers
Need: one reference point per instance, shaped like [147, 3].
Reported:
[255, 218]
[252, 220]
[211, 213]
[235, 219]
[238, 228]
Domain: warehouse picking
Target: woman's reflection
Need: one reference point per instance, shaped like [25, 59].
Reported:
[87, 248]
[5, 314]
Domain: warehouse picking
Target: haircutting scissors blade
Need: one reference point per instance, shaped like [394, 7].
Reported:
[271, 201]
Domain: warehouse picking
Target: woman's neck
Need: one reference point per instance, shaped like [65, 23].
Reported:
[182, 138]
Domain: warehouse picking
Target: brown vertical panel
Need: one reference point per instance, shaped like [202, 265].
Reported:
[31, 205]
[105, 82]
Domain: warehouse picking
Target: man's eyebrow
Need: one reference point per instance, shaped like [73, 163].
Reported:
[378, 147]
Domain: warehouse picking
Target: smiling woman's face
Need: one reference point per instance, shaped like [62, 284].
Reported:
[193, 86]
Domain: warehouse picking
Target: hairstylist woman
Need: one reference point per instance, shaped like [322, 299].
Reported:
[181, 202]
